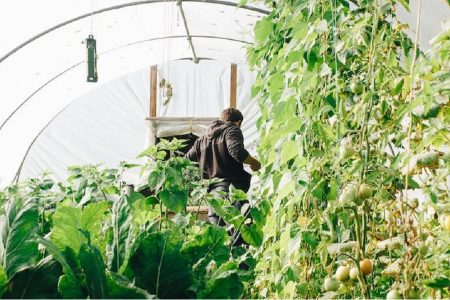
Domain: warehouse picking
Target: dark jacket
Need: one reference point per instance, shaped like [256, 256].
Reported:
[220, 154]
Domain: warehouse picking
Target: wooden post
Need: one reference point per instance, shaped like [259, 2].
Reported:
[153, 89]
[153, 100]
[233, 86]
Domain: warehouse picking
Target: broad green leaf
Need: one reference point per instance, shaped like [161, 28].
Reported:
[39, 281]
[46, 184]
[156, 179]
[69, 288]
[91, 262]
[207, 245]
[122, 234]
[159, 266]
[252, 234]
[150, 151]
[111, 190]
[263, 28]
[224, 284]
[57, 255]
[119, 287]
[18, 225]
[3, 281]
[174, 200]
[289, 150]
[300, 30]
[142, 211]
[70, 223]
[438, 282]
[66, 229]
[135, 196]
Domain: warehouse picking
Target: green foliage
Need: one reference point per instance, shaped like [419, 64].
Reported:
[122, 233]
[73, 226]
[158, 266]
[18, 225]
[37, 281]
[3, 281]
[175, 200]
[119, 287]
[93, 267]
[346, 101]
[98, 240]
[206, 246]
[224, 283]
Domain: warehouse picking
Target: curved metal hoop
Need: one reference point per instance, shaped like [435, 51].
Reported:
[227, 3]
[19, 170]
[108, 51]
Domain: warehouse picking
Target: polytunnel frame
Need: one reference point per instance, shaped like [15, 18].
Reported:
[112, 50]
[19, 170]
[188, 36]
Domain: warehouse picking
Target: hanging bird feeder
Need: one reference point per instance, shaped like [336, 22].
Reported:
[91, 46]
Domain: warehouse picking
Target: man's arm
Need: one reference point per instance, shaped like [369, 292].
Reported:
[235, 145]
[192, 154]
[255, 165]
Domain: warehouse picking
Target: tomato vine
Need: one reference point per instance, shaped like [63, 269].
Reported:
[353, 131]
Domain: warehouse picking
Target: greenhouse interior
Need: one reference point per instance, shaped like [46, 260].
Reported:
[225, 149]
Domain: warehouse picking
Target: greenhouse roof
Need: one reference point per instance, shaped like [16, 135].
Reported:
[42, 60]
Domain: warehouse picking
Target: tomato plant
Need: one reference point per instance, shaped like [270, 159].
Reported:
[354, 140]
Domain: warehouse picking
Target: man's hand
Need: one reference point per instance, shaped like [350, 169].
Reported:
[255, 165]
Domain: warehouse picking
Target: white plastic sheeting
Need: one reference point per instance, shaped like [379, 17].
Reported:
[434, 13]
[203, 90]
[47, 75]
[108, 125]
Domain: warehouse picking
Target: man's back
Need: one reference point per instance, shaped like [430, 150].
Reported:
[221, 153]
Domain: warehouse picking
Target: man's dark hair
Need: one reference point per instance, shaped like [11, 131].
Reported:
[231, 114]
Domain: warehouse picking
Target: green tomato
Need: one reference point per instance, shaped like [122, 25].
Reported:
[393, 294]
[356, 87]
[354, 273]
[346, 151]
[414, 293]
[364, 191]
[342, 273]
[350, 194]
[331, 284]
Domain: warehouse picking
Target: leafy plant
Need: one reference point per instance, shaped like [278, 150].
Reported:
[115, 243]
[18, 250]
[353, 124]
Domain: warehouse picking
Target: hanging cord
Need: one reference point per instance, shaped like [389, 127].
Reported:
[92, 17]
[336, 72]
[403, 204]
[416, 41]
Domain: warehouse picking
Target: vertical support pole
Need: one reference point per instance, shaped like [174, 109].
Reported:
[233, 86]
[153, 89]
[153, 99]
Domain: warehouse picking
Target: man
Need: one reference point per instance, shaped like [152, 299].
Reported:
[221, 154]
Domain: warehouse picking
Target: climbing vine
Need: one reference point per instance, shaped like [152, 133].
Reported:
[354, 140]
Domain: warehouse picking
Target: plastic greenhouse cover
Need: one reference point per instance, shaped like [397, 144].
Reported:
[47, 75]
[43, 89]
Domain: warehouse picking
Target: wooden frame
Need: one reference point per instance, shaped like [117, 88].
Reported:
[233, 86]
